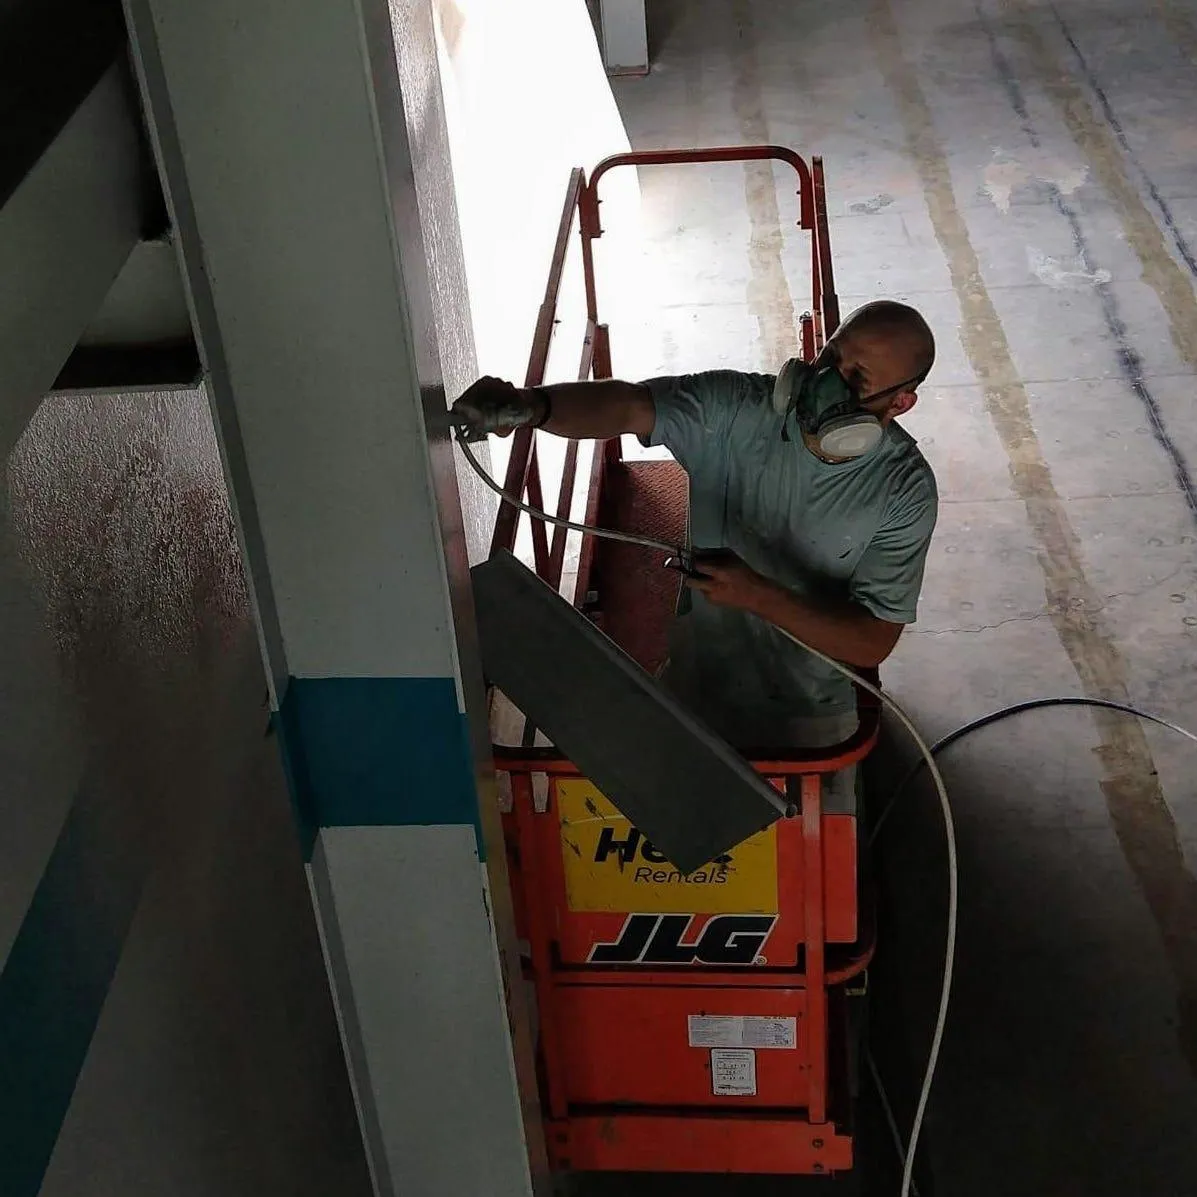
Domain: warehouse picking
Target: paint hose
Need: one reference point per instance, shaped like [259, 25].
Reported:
[646, 542]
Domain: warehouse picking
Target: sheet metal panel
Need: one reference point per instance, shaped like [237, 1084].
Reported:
[685, 788]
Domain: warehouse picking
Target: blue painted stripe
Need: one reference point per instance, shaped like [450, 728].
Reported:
[377, 752]
[57, 976]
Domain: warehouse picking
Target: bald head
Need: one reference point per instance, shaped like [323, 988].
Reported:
[893, 342]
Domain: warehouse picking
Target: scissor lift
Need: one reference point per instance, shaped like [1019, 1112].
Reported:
[686, 1023]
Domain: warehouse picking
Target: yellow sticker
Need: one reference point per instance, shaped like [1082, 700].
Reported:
[610, 866]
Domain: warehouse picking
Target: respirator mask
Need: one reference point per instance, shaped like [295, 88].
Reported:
[828, 408]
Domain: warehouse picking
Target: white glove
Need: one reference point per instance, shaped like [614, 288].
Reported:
[494, 406]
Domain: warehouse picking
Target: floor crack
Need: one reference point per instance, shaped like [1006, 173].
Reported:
[1031, 616]
[983, 627]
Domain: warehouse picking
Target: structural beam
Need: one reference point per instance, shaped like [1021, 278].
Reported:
[281, 138]
[52, 55]
[71, 216]
[140, 339]
[625, 36]
[97, 369]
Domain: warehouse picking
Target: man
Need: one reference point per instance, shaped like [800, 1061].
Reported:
[822, 505]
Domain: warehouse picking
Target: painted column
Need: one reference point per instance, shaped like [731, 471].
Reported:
[281, 137]
[625, 36]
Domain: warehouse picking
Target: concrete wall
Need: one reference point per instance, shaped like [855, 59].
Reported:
[150, 880]
[166, 1024]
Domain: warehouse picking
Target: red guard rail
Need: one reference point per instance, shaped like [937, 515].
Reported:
[582, 204]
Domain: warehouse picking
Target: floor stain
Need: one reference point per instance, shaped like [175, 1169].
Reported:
[769, 298]
[1178, 129]
[1180, 28]
[1115, 126]
[873, 204]
[1138, 812]
[1098, 143]
[1130, 361]
[1007, 172]
[1060, 275]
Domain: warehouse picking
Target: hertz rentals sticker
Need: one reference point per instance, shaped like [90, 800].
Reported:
[610, 866]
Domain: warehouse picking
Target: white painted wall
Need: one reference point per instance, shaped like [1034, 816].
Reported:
[417, 54]
[413, 973]
[526, 99]
[625, 36]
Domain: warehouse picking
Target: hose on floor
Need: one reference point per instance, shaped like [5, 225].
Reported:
[1017, 708]
[949, 956]
[906, 1152]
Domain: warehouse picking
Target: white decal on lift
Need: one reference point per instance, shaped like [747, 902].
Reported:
[733, 1072]
[727, 1030]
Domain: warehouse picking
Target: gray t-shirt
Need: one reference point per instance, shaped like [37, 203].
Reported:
[854, 531]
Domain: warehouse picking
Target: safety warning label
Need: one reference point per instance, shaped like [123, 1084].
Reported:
[733, 1072]
[728, 1030]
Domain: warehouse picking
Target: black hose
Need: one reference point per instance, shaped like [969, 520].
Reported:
[1016, 709]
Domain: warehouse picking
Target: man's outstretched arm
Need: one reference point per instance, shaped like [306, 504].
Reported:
[581, 410]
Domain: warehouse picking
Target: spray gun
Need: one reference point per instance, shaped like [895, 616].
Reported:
[686, 559]
[689, 561]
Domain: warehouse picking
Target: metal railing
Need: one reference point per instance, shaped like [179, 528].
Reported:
[523, 477]
[582, 204]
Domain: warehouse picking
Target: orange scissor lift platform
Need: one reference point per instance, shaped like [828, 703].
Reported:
[693, 1022]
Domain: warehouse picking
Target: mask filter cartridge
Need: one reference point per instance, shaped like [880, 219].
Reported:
[827, 409]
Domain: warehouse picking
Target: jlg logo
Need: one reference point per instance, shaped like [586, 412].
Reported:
[729, 939]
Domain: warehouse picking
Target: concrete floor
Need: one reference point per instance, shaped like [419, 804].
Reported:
[1025, 173]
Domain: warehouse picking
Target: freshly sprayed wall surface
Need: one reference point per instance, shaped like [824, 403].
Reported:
[526, 99]
[120, 512]
[162, 999]
[416, 51]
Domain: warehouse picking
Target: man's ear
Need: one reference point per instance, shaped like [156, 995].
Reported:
[902, 402]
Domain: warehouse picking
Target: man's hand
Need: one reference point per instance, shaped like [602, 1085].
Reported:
[494, 406]
[846, 631]
[728, 582]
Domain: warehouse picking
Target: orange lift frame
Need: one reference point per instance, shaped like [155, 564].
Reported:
[638, 1011]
